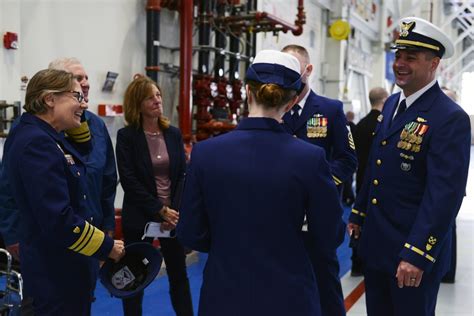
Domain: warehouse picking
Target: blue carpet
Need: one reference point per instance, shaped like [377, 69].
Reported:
[157, 300]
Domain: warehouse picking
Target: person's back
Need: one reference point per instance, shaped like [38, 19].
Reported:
[257, 219]
[364, 131]
[245, 203]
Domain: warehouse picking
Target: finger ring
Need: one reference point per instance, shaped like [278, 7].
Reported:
[412, 279]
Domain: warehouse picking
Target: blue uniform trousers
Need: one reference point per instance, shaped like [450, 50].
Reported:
[384, 297]
[326, 271]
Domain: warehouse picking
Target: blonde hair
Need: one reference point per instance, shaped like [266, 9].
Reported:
[45, 82]
[137, 91]
[270, 95]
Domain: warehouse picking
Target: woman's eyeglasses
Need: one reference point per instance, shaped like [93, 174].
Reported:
[77, 95]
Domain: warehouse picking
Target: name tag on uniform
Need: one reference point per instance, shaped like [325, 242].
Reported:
[69, 159]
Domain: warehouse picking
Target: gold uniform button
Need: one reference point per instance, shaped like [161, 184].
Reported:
[78, 174]
[384, 142]
[374, 201]
[376, 182]
[295, 136]
[373, 133]
[85, 197]
[378, 162]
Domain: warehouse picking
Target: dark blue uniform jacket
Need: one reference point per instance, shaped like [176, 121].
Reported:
[244, 201]
[414, 184]
[323, 123]
[47, 178]
[100, 190]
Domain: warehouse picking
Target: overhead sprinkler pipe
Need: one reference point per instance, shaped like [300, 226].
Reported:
[285, 26]
[153, 9]
[185, 60]
[265, 22]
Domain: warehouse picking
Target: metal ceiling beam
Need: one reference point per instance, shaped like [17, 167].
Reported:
[460, 58]
[455, 14]
[467, 30]
[463, 70]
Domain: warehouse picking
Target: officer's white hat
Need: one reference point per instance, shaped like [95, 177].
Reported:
[272, 66]
[419, 34]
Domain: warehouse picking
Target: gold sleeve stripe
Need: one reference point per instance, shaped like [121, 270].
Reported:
[80, 134]
[96, 240]
[84, 128]
[86, 240]
[81, 139]
[85, 232]
[420, 252]
[337, 180]
[358, 212]
[83, 134]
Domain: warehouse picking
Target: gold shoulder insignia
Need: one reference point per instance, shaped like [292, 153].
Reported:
[431, 242]
[421, 120]
[77, 230]
[351, 141]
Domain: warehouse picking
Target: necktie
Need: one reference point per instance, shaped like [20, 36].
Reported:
[401, 108]
[295, 116]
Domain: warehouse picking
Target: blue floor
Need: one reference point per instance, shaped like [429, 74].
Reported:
[157, 300]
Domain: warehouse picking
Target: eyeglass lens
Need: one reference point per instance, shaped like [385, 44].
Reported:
[79, 96]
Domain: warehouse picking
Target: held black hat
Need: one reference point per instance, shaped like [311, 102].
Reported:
[419, 34]
[134, 272]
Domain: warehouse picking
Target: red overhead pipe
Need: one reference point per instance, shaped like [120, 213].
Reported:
[296, 29]
[185, 60]
[258, 19]
[154, 5]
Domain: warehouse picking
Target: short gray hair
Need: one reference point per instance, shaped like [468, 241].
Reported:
[64, 63]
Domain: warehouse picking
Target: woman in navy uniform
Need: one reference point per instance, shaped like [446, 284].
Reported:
[59, 248]
[151, 164]
[415, 180]
[245, 198]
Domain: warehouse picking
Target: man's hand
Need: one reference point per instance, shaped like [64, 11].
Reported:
[14, 250]
[118, 250]
[353, 229]
[408, 275]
